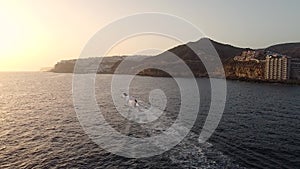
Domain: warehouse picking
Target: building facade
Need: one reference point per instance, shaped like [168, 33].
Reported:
[295, 68]
[277, 67]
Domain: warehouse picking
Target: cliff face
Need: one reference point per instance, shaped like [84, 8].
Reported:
[244, 70]
[108, 65]
[65, 66]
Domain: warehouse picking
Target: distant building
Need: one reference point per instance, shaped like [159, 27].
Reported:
[246, 56]
[277, 67]
[295, 68]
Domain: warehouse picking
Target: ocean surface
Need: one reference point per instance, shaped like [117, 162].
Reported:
[260, 127]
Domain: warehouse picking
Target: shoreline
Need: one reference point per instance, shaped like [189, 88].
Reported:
[288, 82]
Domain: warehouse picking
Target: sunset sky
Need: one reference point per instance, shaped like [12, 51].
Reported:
[38, 33]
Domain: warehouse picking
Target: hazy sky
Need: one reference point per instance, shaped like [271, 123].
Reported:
[38, 33]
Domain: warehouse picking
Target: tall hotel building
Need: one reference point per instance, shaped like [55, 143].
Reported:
[277, 68]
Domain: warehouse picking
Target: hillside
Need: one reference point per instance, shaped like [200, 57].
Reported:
[190, 53]
[204, 48]
[289, 49]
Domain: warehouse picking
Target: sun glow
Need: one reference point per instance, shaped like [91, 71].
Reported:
[20, 35]
[9, 31]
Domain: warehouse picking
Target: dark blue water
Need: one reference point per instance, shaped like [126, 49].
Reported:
[261, 125]
[39, 128]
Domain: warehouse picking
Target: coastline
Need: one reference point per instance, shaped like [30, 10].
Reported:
[288, 82]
